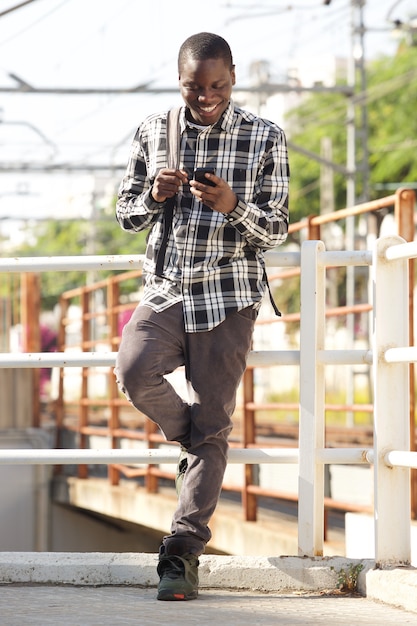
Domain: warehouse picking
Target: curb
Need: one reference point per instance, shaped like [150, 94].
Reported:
[226, 572]
[396, 586]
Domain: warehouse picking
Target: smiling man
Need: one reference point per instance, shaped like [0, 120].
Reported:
[204, 281]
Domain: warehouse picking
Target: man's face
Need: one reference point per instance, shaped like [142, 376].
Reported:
[206, 87]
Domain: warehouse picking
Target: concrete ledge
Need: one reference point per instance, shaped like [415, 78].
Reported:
[222, 572]
[396, 586]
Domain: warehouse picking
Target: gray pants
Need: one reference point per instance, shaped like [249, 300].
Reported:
[155, 344]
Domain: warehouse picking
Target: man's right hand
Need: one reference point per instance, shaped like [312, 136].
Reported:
[166, 183]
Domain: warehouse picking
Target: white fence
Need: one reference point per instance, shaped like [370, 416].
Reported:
[390, 357]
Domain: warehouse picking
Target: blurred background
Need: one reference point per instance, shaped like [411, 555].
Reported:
[77, 77]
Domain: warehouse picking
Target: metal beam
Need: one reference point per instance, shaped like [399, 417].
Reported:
[267, 88]
[38, 168]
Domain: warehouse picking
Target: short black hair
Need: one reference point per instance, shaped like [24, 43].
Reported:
[203, 46]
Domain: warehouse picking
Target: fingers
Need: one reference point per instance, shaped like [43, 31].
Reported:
[220, 198]
[167, 183]
[212, 180]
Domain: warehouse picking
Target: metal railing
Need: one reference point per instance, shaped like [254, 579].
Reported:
[390, 357]
[105, 417]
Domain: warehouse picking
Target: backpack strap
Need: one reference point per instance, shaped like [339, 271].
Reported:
[173, 137]
[271, 298]
[173, 157]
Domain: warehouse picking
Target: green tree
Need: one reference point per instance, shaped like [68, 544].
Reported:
[320, 116]
[390, 99]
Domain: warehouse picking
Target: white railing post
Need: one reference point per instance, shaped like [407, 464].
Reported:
[391, 406]
[311, 470]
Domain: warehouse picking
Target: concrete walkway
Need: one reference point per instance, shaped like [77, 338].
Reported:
[119, 606]
[95, 589]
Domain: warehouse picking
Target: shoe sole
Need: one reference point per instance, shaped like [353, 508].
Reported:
[169, 595]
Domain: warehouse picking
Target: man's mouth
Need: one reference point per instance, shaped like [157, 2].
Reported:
[208, 109]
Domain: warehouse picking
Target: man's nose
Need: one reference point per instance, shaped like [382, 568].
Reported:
[205, 93]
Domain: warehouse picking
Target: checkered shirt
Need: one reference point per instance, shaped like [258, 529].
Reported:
[213, 263]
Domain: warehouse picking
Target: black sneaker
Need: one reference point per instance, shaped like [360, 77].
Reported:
[178, 577]
[181, 469]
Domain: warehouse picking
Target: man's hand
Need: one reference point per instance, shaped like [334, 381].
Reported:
[167, 183]
[220, 198]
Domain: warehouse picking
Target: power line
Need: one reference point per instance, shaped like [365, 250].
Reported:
[29, 26]
[363, 97]
[17, 6]
[146, 88]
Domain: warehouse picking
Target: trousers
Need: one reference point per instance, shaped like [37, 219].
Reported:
[155, 344]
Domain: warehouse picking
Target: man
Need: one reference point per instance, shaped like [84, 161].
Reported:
[199, 311]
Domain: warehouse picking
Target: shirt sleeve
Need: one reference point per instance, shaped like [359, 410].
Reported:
[264, 222]
[136, 210]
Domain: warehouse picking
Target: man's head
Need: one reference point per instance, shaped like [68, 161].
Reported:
[206, 76]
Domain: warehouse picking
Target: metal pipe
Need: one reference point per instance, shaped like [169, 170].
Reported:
[345, 357]
[398, 458]
[66, 263]
[115, 262]
[343, 455]
[256, 358]
[273, 357]
[57, 359]
[406, 250]
[345, 258]
[407, 354]
[139, 456]
[135, 261]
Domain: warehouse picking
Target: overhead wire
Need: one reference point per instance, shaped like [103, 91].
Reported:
[330, 15]
[87, 39]
[15, 8]
[110, 19]
[34, 23]
[329, 21]
[391, 10]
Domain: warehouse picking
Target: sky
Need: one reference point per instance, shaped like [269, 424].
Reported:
[125, 43]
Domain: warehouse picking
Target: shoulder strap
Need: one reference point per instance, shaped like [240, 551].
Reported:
[173, 137]
[173, 159]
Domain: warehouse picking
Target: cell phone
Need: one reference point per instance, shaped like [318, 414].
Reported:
[199, 175]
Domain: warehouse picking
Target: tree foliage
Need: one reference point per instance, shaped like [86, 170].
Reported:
[392, 118]
[390, 100]
[320, 116]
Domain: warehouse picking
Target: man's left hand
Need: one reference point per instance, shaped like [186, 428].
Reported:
[220, 198]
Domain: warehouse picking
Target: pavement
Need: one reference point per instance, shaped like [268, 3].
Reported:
[99, 589]
[119, 606]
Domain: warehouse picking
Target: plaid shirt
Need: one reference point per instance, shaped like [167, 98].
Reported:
[213, 262]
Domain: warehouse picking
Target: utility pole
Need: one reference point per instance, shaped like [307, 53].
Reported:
[356, 67]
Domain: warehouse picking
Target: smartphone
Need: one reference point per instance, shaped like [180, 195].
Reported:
[199, 175]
